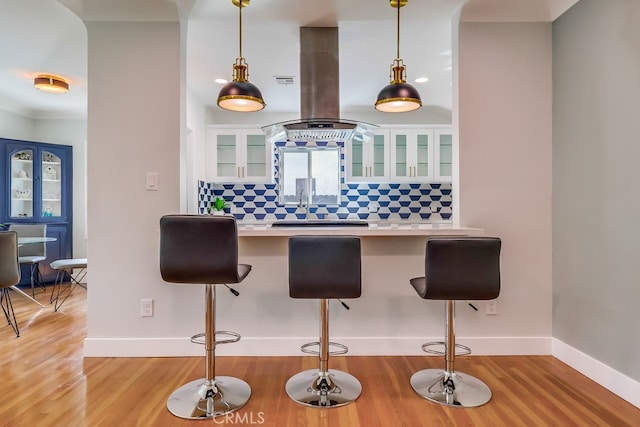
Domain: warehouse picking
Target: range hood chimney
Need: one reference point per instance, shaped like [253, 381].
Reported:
[319, 95]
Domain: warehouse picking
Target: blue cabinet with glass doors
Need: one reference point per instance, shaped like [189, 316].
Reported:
[37, 188]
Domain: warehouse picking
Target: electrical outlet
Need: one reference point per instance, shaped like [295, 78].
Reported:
[146, 307]
[434, 209]
[373, 207]
[491, 308]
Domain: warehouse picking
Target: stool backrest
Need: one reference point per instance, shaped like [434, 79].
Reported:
[199, 249]
[31, 230]
[462, 268]
[9, 265]
[324, 267]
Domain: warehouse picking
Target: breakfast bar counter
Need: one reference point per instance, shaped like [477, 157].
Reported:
[373, 229]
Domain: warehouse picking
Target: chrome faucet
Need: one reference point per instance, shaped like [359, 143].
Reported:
[303, 204]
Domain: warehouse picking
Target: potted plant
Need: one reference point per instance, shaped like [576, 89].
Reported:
[217, 207]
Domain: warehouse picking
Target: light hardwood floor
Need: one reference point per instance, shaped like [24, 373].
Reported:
[44, 381]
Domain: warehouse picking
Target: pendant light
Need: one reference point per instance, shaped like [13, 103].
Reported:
[398, 96]
[239, 94]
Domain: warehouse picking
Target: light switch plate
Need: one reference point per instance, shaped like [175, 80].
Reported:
[152, 181]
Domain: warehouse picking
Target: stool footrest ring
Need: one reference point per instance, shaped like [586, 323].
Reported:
[425, 347]
[343, 348]
[200, 338]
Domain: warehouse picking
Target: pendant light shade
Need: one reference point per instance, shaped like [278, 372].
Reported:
[240, 94]
[398, 96]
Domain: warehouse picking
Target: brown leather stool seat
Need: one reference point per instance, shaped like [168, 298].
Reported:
[324, 267]
[203, 249]
[456, 268]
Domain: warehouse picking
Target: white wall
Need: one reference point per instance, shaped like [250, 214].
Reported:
[596, 182]
[505, 162]
[134, 127]
[16, 126]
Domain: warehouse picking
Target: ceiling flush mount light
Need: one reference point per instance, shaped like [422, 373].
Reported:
[240, 94]
[50, 83]
[398, 96]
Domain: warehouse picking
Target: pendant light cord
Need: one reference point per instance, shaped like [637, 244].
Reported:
[397, 33]
[240, 38]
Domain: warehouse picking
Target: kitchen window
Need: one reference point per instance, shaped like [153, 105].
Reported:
[309, 176]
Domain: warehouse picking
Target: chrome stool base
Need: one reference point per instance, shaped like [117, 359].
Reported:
[198, 400]
[316, 389]
[457, 389]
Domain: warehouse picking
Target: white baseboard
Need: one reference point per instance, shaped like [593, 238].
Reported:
[616, 382]
[278, 346]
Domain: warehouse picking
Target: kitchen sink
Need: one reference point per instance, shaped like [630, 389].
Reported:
[321, 223]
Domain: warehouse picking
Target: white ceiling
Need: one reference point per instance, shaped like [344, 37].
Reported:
[48, 36]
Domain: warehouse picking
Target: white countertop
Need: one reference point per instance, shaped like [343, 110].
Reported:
[374, 229]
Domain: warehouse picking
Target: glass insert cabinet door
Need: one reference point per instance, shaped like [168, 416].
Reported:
[238, 155]
[379, 156]
[226, 155]
[411, 153]
[22, 188]
[444, 141]
[368, 160]
[256, 156]
[52, 180]
[38, 183]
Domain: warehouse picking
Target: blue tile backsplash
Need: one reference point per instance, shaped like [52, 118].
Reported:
[415, 202]
[397, 202]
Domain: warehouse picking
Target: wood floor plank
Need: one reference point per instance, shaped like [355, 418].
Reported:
[44, 381]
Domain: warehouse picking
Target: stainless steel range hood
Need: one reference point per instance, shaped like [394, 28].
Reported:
[319, 95]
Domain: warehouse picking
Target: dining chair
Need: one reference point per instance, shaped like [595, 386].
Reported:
[33, 253]
[9, 275]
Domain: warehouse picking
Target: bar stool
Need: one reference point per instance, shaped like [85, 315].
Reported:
[203, 249]
[324, 267]
[456, 268]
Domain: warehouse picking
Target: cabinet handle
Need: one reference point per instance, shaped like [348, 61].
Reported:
[243, 172]
[238, 174]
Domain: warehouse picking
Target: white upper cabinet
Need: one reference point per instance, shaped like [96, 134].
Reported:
[368, 160]
[443, 154]
[412, 154]
[402, 155]
[238, 155]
